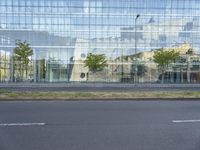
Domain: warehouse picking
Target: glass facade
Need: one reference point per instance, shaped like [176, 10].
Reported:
[62, 33]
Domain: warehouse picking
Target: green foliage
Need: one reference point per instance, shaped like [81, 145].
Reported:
[95, 62]
[23, 51]
[22, 55]
[163, 58]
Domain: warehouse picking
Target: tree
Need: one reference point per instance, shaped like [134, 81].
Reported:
[95, 62]
[22, 53]
[163, 58]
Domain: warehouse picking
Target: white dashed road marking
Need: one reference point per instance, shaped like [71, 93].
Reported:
[185, 121]
[21, 124]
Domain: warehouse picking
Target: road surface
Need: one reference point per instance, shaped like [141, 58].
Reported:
[100, 125]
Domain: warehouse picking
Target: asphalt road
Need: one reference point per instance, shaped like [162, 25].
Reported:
[100, 125]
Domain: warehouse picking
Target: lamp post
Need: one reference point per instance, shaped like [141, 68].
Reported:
[136, 69]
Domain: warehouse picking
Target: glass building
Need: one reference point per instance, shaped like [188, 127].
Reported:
[63, 32]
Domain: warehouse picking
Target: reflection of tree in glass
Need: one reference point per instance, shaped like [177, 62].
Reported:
[95, 62]
[22, 54]
[164, 58]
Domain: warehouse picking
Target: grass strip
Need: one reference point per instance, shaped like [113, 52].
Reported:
[97, 95]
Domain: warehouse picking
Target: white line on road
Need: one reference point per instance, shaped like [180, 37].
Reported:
[21, 124]
[185, 121]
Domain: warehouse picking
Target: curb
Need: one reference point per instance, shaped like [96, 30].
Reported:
[109, 99]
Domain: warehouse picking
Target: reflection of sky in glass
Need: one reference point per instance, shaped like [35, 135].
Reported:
[88, 19]
[109, 13]
[62, 30]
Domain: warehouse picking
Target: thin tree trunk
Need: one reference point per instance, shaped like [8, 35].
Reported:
[163, 76]
[20, 70]
[188, 69]
[13, 70]
[94, 76]
[181, 76]
[26, 71]
[87, 76]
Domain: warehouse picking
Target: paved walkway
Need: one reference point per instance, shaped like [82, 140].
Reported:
[97, 87]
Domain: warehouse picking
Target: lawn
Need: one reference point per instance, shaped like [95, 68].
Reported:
[6, 95]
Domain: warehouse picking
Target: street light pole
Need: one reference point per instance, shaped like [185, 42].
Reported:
[136, 69]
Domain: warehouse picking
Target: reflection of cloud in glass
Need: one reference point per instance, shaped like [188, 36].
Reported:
[86, 10]
[3, 25]
[86, 6]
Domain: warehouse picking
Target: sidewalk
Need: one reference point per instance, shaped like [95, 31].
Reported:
[100, 85]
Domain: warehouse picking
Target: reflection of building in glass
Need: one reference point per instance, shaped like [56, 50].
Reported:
[62, 32]
[152, 35]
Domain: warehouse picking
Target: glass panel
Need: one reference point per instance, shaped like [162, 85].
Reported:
[60, 31]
